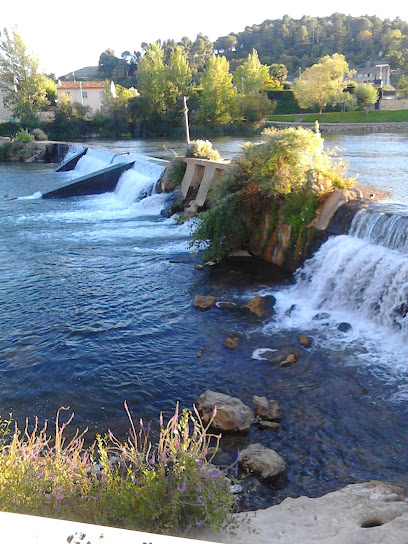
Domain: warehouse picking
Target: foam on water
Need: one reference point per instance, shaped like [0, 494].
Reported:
[34, 196]
[353, 281]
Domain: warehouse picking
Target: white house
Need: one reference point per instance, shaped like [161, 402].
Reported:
[377, 75]
[88, 93]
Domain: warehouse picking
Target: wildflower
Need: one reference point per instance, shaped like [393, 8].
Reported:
[182, 488]
[198, 488]
[152, 459]
[141, 423]
[58, 497]
[161, 419]
[199, 523]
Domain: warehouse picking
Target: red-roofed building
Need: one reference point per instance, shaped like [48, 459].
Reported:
[88, 93]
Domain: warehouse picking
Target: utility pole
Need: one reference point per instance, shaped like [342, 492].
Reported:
[185, 110]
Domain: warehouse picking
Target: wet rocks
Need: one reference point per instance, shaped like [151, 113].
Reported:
[226, 305]
[232, 415]
[263, 462]
[202, 302]
[343, 327]
[260, 307]
[232, 341]
[266, 409]
[272, 425]
[305, 340]
[321, 316]
[282, 356]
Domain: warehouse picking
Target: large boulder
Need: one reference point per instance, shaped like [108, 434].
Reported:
[263, 462]
[232, 415]
[366, 513]
[266, 409]
[261, 306]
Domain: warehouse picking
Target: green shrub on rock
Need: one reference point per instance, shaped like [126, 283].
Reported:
[23, 136]
[202, 149]
[287, 175]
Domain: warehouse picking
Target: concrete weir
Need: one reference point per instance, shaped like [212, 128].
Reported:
[72, 162]
[102, 181]
[198, 177]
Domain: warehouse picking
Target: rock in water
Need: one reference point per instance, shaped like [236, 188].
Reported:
[281, 355]
[232, 341]
[262, 461]
[266, 409]
[202, 302]
[343, 327]
[232, 414]
[261, 306]
[305, 340]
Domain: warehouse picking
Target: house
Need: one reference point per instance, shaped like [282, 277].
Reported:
[377, 75]
[88, 93]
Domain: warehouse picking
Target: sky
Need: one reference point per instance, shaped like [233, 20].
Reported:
[67, 36]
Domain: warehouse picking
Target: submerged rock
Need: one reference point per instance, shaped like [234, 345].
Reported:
[263, 462]
[202, 302]
[344, 327]
[305, 340]
[225, 305]
[273, 425]
[266, 409]
[232, 414]
[321, 316]
[282, 355]
[261, 306]
[232, 341]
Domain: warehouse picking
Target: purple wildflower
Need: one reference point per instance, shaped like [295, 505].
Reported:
[199, 523]
[182, 488]
[198, 488]
[152, 459]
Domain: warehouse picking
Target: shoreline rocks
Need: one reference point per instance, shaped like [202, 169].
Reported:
[232, 415]
[263, 462]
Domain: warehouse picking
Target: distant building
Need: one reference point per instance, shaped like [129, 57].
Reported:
[88, 93]
[378, 75]
[6, 114]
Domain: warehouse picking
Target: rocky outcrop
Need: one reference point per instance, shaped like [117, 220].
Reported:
[367, 513]
[232, 415]
[42, 151]
[266, 409]
[260, 306]
[263, 462]
[274, 239]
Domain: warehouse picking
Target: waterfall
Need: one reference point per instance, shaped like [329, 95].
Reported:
[382, 224]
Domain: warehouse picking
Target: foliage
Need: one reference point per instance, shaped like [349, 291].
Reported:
[25, 89]
[5, 151]
[289, 170]
[217, 95]
[203, 149]
[254, 107]
[24, 136]
[39, 134]
[9, 127]
[72, 120]
[366, 95]
[133, 484]
[176, 172]
[251, 77]
[115, 116]
[402, 88]
[322, 83]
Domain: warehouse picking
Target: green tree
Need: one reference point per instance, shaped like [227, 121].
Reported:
[150, 78]
[25, 88]
[177, 77]
[366, 96]
[217, 95]
[402, 88]
[323, 83]
[252, 76]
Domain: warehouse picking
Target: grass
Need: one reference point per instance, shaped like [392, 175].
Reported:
[135, 484]
[376, 116]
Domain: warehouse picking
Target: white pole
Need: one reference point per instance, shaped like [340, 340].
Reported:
[185, 110]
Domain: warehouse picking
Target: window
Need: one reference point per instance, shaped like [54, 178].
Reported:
[84, 94]
[68, 93]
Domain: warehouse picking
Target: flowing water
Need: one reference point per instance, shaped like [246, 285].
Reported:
[96, 297]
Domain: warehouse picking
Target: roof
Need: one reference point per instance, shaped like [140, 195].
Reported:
[82, 84]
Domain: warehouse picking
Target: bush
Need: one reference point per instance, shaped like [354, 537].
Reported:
[133, 485]
[202, 149]
[176, 172]
[23, 136]
[288, 173]
[39, 134]
[8, 128]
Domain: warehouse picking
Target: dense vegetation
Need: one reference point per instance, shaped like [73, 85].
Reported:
[287, 174]
[234, 82]
[137, 484]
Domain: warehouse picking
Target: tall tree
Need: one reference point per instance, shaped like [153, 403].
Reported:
[217, 95]
[366, 95]
[25, 88]
[323, 83]
[252, 76]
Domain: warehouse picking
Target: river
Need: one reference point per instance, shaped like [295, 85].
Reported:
[96, 296]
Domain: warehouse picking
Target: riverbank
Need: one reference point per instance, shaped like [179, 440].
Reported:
[339, 128]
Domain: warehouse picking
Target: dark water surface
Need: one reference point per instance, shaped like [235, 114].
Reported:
[96, 308]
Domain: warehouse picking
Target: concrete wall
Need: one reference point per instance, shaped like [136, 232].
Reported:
[394, 104]
[198, 177]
